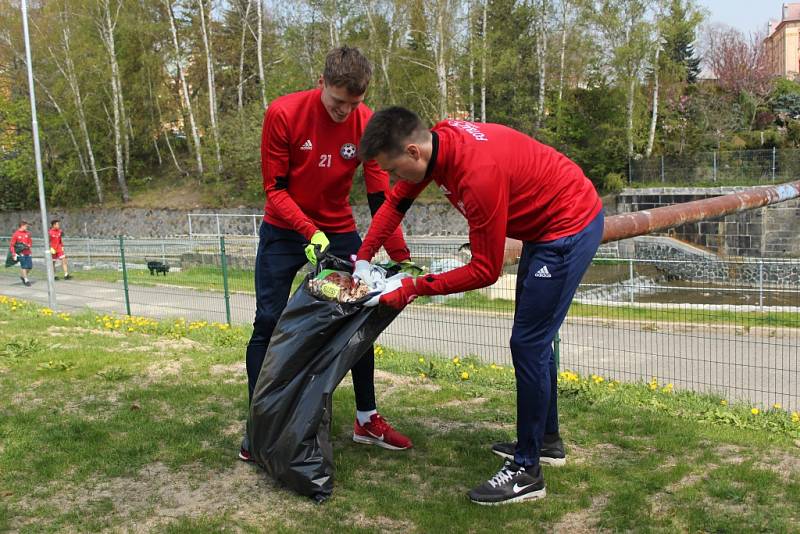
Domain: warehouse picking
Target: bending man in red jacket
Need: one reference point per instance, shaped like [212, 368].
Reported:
[308, 159]
[505, 184]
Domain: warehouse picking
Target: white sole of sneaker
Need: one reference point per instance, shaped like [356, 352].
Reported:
[532, 496]
[366, 440]
[544, 460]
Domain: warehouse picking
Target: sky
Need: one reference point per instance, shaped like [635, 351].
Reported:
[746, 15]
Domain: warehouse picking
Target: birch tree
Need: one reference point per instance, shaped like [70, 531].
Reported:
[107, 25]
[657, 45]
[187, 103]
[627, 33]
[240, 87]
[541, 8]
[484, 50]
[212, 91]
[67, 70]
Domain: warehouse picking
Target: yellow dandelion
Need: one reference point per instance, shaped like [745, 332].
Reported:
[723, 402]
[777, 406]
[795, 417]
[667, 388]
[422, 360]
[755, 411]
[456, 360]
[465, 376]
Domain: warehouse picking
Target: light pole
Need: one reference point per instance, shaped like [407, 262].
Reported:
[48, 260]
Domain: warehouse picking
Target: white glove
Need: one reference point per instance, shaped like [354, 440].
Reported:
[392, 284]
[363, 272]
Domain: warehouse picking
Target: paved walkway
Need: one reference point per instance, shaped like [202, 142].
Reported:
[759, 364]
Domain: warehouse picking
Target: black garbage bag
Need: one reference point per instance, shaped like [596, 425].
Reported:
[19, 248]
[313, 346]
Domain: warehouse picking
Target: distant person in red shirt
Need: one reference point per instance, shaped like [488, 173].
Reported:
[308, 159]
[21, 244]
[506, 185]
[57, 247]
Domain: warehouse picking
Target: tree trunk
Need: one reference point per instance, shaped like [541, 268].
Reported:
[382, 54]
[564, 7]
[61, 114]
[441, 66]
[166, 138]
[107, 27]
[68, 71]
[184, 88]
[240, 88]
[260, 53]
[654, 119]
[631, 91]
[483, 64]
[541, 58]
[332, 29]
[471, 63]
[212, 91]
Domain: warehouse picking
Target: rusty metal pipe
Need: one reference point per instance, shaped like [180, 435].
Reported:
[643, 222]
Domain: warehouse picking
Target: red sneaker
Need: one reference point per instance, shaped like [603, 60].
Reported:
[379, 432]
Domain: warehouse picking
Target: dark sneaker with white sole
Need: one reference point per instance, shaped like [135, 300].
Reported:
[552, 452]
[244, 450]
[513, 483]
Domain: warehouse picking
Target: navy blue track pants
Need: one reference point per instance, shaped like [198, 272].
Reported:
[547, 278]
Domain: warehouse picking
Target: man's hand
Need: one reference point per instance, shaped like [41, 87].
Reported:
[317, 247]
[14, 257]
[398, 294]
[363, 271]
[52, 251]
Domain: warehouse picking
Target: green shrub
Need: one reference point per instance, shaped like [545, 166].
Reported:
[613, 182]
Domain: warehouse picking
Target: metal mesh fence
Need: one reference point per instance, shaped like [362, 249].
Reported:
[711, 324]
[734, 167]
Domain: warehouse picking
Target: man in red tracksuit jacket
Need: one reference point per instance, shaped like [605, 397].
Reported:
[57, 247]
[308, 159]
[505, 184]
[21, 244]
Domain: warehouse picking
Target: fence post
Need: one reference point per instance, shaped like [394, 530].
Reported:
[255, 225]
[189, 215]
[630, 171]
[88, 253]
[662, 169]
[557, 350]
[715, 165]
[224, 260]
[163, 253]
[773, 164]
[760, 283]
[124, 275]
[219, 230]
[630, 280]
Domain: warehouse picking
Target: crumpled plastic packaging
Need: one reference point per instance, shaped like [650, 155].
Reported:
[337, 285]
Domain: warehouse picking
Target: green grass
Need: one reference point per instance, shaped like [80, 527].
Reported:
[203, 278]
[474, 300]
[102, 428]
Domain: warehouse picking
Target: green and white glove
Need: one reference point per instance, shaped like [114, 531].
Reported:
[317, 247]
